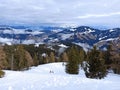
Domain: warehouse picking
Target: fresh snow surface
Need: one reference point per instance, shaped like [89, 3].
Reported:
[85, 46]
[40, 78]
[110, 39]
[111, 30]
[102, 38]
[72, 29]
[62, 45]
[56, 31]
[28, 41]
[88, 31]
[66, 36]
[37, 44]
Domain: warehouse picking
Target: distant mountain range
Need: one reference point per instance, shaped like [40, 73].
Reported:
[84, 36]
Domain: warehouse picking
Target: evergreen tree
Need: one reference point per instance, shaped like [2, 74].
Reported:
[3, 62]
[102, 66]
[36, 62]
[46, 59]
[20, 61]
[2, 73]
[107, 56]
[52, 57]
[95, 66]
[64, 57]
[115, 56]
[9, 51]
[72, 66]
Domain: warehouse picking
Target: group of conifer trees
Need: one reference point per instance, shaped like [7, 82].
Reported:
[96, 63]
[17, 57]
[21, 57]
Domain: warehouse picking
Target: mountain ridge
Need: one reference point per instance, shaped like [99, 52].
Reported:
[80, 34]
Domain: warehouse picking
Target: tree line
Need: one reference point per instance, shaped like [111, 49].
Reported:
[96, 63]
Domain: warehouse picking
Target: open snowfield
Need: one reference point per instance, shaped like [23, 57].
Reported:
[40, 78]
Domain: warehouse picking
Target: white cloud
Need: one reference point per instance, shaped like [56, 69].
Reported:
[98, 15]
[35, 12]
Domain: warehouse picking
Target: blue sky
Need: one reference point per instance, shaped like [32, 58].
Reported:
[80, 12]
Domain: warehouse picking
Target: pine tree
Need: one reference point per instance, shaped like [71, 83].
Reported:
[64, 57]
[52, 57]
[36, 62]
[72, 66]
[20, 61]
[46, 59]
[2, 73]
[95, 66]
[9, 51]
[115, 56]
[102, 66]
[107, 56]
[3, 62]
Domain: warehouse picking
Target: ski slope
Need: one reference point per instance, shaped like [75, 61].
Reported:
[40, 78]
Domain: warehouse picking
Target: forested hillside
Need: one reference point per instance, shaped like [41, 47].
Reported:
[96, 63]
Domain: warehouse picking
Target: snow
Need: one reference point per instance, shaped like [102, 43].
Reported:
[72, 29]
[66, 36]
[36, 33]
[85, 46]
[40, 78]
[62, 48]
[62, 45]
[88, 31]
[37, 44]
[102, 38]
[44, 55]
[111, 30]
[56, 31]
[110, 39]
[28, 41]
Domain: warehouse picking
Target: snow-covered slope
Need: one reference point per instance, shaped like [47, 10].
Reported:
[40, 78]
